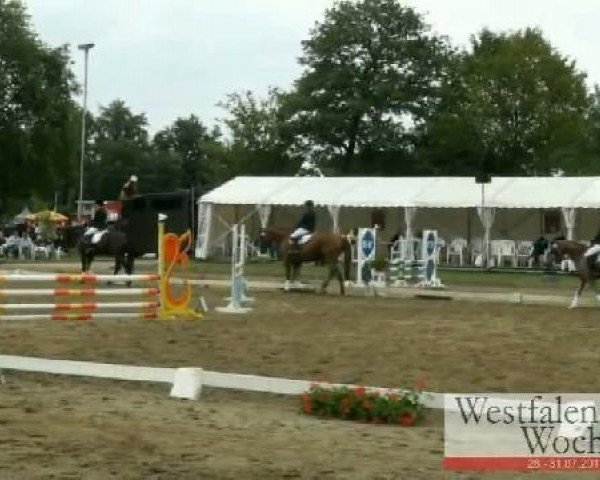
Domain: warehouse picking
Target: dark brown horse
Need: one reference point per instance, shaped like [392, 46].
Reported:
[322, 247]
[575, 251]
[113, 243]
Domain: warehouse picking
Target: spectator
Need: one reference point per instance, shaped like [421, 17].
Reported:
[538, 251]
[13, 245]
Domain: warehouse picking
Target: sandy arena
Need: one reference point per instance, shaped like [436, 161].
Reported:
[60, 427]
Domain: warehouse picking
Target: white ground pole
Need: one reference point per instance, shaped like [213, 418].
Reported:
[242, 256]
[187, 382]
[238, 254]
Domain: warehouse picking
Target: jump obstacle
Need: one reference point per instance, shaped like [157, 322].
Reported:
[366, 248]
[238, 300]
[154, 302]
[412, 262]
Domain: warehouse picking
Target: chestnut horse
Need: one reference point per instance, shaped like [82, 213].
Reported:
[322, 247]
[575, 250]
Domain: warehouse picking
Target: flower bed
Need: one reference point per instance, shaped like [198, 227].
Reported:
[360, 404]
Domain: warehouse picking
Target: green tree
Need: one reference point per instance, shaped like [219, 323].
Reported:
[513, 105]
[371, 67]
[118, 147]
[195, 150]
[583, 157]
[38, 124]
[118, 123]
[258, 144]
[160, 172]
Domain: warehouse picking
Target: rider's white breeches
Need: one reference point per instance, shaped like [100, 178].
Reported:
[299, 233]
[592, 250]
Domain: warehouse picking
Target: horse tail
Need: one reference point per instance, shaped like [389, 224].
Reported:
[347, 258]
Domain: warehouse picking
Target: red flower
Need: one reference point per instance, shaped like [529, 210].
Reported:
[360, 391]
[407, 419]
[307, 404]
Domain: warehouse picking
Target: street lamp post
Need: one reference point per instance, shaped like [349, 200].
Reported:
[86, 47]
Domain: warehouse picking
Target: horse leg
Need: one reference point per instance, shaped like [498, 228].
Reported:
[296, 274]
[83, 256]
[119, 261]
[575, 301]
[89, 258]
[288, 275]
[593, 285]
[86, 256]
[128, 264]
[330, 274]
[340, 278]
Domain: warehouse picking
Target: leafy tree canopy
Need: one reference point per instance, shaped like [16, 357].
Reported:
[371, 67]
[513, 105]
[37, 115]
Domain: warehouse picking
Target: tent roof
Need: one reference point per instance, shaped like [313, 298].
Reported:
[428, 192]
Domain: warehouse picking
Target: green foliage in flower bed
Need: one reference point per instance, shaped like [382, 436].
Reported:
[400, 407]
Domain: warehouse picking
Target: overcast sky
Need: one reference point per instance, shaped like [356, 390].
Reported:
[170, 58]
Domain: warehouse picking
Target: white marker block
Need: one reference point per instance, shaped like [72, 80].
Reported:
[187, 383]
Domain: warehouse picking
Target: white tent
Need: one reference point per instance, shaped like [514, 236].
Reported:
[447, 201]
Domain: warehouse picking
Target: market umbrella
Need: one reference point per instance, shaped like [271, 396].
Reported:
[50, 215]
[24, 215]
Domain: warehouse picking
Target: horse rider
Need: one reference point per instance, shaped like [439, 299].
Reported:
[99, 224]
[306, 225]
[129, 189]
[538, 250]
[591, 253]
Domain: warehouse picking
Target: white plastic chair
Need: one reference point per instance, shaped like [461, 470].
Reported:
[42, 251]
[524, 250]
[456, 248]
[26, 248]
[501, 249]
